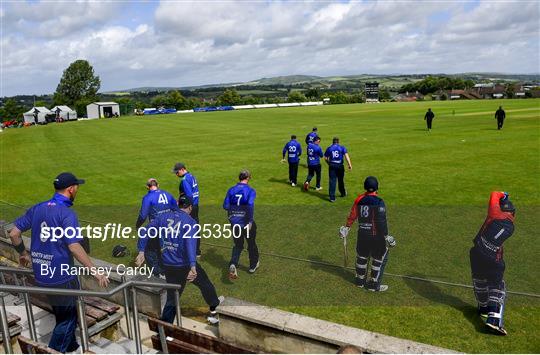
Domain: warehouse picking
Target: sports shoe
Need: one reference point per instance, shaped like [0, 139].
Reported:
[334, 200]
[345, 194]
[253, 269]
[213, 317]
[360, 282]
[371, 287]
[233, 274]
[318, 188]
[496, 329]
[293, 184]
[306, 186]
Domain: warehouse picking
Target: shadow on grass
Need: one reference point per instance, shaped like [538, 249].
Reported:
[434, 293]
[282, 181]
[316, 264]
[312, 192]
[217, 260]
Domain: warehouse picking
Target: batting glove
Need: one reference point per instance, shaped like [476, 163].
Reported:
[390, 241]
[343, 231]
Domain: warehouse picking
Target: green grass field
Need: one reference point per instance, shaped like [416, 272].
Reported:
[436, 186]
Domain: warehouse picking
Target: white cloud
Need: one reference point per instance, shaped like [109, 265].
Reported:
[189, 43]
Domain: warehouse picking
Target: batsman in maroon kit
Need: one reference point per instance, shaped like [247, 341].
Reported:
[487, 264]
[373, 239]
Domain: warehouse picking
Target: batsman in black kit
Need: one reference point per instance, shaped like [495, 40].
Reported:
[487, 264]
[373, 239]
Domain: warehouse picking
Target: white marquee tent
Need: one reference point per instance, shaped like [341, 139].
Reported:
[64, 112]
[36, 115]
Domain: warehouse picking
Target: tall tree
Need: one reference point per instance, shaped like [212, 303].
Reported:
[11, 110]
[229, 97]
[78, 84]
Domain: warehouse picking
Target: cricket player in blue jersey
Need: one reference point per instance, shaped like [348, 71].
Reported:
[334, 156]
[177, 234]
[239, 204]
[51, 255]
[310, 138]
[314, 155]
[293, 149]
[154, 203]
[190, 188]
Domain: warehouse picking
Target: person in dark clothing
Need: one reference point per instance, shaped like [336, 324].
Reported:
[373, 239]
[310, 138]
[293, 150]
[57, 254]
[500, 115]
[487, 264]
[190, 188]
[429, 118]
[179, 254]
[334, 157]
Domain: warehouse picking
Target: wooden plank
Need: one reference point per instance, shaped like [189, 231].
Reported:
[199, 340]
[42, 302]
[95, 313]
[102, 304]
[13, 331]
[28, 346]
[177, 347]
[12, 318]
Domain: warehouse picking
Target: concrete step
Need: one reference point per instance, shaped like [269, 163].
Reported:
[121, 346]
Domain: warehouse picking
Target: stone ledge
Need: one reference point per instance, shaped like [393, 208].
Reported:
[319, 330]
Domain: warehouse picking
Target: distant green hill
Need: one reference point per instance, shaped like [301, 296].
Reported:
[390, 81]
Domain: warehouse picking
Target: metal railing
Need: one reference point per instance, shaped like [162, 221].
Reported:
[126, 286]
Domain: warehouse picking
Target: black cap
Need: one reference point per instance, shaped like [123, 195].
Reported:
[371, 184]
[65, 180]
[177, 167]
[507, 205]
[184, 201]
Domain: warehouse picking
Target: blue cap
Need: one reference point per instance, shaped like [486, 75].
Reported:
[65, 180]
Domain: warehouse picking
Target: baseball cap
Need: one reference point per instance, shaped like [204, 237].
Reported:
[177, 167]
[65, 180]
[371, 184]
[184, 201]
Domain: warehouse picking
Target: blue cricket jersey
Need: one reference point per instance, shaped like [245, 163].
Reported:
[335, 153]
[240, 204]
[54, 253]
[176, 232]
[190, 188]
[154, 203]
[314, 154]
[293, 149]
[311, 137]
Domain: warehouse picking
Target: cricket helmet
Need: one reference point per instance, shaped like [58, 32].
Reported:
[507, 205]
[371, 184]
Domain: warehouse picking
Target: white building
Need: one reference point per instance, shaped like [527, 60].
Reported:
[102, 110]
[64, 112]
[36, 115]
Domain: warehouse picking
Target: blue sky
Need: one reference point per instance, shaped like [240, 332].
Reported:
[181, 43]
